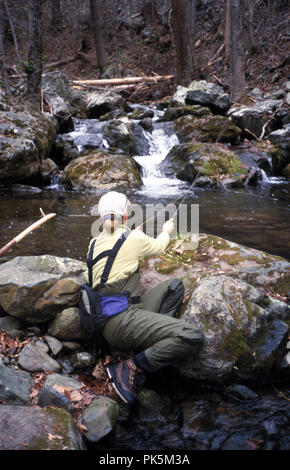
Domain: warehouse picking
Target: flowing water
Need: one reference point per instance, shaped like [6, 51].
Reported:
[254, 216]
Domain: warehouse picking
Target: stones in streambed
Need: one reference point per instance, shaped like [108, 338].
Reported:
[100, 418]
[30, 428]
[102, 170]
[15, 385]
[34, 357]
[216, 163]
[36, 288]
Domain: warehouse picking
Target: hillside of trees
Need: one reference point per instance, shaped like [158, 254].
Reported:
[188, 39]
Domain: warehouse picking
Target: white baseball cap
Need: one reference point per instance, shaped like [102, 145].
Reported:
[113, 203]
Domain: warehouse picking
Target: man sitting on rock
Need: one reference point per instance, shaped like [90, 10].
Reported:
[147, 326]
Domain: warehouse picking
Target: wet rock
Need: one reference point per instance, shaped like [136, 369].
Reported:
[48, 170]
[36, 288]
[240, 393]
[101, 102]
[208, 94]
[215, 162]
[26, 139]
[140, 113]
[15, 386]
[118, 134]
[211, 129]
[253, 118]
[174, 112]
[29, 428]
[33, 357]
[280, 136]
[101, 170]
[100, 418]
[67, 325]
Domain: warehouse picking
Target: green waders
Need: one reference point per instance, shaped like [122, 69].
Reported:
[157, 339]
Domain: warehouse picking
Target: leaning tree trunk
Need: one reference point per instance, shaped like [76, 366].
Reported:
[34, 61]
[97, 30]
[183, 19]
[237, 53]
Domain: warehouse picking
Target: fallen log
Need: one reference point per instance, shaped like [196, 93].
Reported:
[25, 232]
[123, 81]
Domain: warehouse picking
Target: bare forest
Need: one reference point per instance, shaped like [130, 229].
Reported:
[236, 43]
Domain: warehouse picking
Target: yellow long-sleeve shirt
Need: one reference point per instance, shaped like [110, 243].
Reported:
[138, 245]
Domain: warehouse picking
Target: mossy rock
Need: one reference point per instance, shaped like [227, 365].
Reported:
[101, 170]
[207, 129]
[214, 161]
[45, 429]
[175, 112]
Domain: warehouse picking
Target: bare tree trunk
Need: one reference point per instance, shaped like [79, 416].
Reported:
[183, 19]
[227, 30]
[11, 23]
[237, 53]
[56, 18]
[97, 30]
[34, 62]
[251, 35]
[3, 69]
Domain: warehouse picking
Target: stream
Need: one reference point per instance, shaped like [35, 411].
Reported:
[254, 216]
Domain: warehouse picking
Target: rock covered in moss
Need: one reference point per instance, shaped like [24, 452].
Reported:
[207, 129]
[102, 170]
[213, 161]
[241, 337]
[30, 428]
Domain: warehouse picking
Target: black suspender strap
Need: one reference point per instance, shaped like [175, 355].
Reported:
[111, 254]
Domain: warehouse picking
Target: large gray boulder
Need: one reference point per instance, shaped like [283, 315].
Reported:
[26, 140]
[254, 118]
[102, 102]
[102, 170]
[30, 428]
[243, 339]
[207, 94]
[36, 288]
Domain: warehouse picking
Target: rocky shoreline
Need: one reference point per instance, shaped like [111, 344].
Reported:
[50, 373]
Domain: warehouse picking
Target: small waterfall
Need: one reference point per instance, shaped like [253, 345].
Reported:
[160, 141]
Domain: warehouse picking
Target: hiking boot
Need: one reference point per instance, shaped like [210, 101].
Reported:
[127, 380]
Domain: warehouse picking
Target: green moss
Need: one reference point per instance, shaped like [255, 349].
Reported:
[234, 346]
[232, 259]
